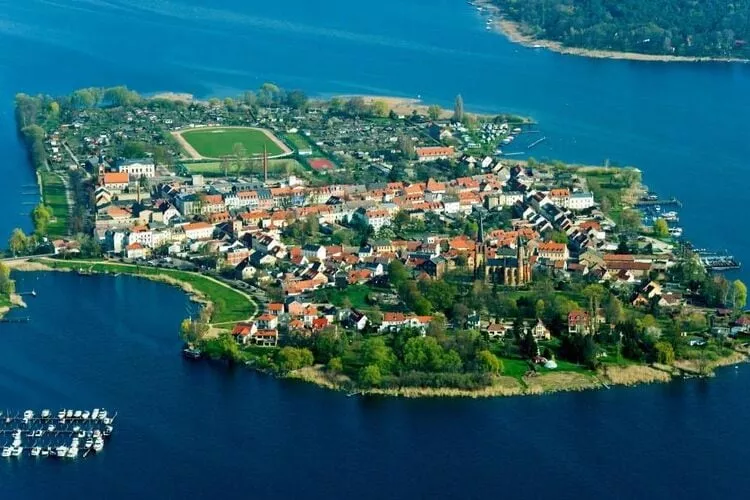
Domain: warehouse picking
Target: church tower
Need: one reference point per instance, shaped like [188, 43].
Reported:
[480, 253]
[521, 272]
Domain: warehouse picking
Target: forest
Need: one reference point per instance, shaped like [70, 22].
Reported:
[705, 28]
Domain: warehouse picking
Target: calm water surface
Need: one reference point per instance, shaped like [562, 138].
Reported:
[191, 429]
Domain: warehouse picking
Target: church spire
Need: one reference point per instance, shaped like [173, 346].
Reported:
[480, 232]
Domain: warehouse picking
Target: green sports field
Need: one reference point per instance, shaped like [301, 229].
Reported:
[217, 142]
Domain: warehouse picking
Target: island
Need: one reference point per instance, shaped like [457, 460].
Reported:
[377, 245]
[660, 30]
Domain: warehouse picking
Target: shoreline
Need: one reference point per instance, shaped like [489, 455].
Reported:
[193, 294]
[505, 386]
[512, 30]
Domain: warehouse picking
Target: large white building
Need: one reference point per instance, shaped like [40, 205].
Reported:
[138, 168]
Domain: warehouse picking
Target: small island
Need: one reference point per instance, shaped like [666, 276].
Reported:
[377, 245]
[659, 30]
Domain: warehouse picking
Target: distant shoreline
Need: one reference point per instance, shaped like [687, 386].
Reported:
[513, 32]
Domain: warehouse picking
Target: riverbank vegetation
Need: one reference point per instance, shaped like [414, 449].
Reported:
[660, 27]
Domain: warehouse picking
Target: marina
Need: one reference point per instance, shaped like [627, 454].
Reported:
[718, 261]
[63, 434]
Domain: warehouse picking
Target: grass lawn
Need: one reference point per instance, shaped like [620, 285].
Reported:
[217, 142]
[276, 168]
[357, 295]
[229, 304]
[299, 142]
[53, 192]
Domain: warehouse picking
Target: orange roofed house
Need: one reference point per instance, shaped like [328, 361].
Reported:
[116, 182]
[433, 153]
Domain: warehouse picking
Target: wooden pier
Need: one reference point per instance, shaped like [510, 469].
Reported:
[665, 201]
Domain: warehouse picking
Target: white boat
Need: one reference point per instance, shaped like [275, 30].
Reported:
[28, 414]
[95, 413]
[50, 428]
[102, 414]
[81, 434]
[38, 433]
[69, 414]
[72, 452]
[45, 413]
[45, 452]
[89, 443]
[85, 415]
[107, 420]
[61, 450]
[61, 414]
[77, 414]
[76, 428]
[17, 442]
[16, 434]
[108, 430]
[98, 445]
[7, 450]
[35, 451]
[17, 451]
[7, 420]
[675, 231]
[97, 433]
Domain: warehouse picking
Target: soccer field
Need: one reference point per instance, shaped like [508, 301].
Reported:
[214, 142]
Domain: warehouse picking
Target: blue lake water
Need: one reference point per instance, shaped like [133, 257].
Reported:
[191, 429]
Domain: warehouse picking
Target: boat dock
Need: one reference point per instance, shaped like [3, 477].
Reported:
[653, 201]
[536, 142]
[716, 262]
[63, 434]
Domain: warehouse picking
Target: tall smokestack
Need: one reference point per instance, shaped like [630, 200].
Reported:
[265, 163]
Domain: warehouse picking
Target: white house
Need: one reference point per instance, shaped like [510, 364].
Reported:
[317, 252]
[138, 168]
[198, 230]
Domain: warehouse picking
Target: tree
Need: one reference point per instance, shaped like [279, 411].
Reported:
[559, 237]
[356, 106]
[613, 310]
[121, 96]
[296, 99]
[528, 345]
[370, 376]
[375, 352]
[423, 354]
[335, 365]
[406, 145]
[6, 284]
[434, 112]
[294, 358]
[397, 273]
[661, 228]
[240, 156]
[630, 220]
[400, 220]
[380, 108]
[328, 344]
[40, 217]
[739, 294]
[488, 363]
[665, 352]
[19, 242]
[458, 109]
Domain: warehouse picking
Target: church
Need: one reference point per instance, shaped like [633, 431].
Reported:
[508, 267]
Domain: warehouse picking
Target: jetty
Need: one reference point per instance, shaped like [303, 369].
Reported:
[718, 262]
[536, 142]
[652, 201]
[64, 434]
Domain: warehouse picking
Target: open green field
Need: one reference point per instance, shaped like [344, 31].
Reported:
[229, 304]
[276, 168]
[53, 195]
[216, 142]
[299, 142]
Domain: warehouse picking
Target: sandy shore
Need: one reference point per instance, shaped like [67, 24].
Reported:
[514, 32]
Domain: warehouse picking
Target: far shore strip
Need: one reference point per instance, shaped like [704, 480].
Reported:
[512, 30]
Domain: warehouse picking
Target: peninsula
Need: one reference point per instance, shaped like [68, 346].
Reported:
[645, 31]
[372, 245]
